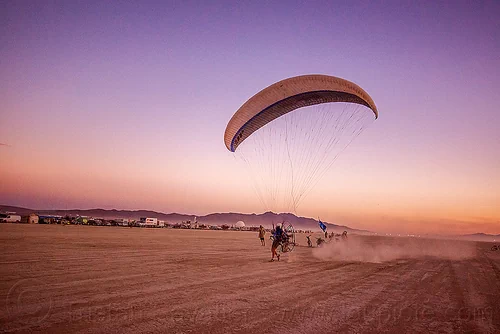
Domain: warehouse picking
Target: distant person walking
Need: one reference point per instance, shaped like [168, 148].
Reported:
[262, 233]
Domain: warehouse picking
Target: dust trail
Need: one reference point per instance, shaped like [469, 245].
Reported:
[387, 249]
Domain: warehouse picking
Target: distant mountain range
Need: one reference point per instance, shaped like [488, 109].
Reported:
[266, 219]
[481, 237]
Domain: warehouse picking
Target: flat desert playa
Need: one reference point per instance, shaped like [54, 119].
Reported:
[83, 279]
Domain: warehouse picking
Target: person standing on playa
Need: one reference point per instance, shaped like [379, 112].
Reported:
[262, 233]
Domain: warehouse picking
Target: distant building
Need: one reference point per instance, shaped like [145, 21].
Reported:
[33, 219]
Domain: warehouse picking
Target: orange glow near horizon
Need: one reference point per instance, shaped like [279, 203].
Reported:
[364, 204]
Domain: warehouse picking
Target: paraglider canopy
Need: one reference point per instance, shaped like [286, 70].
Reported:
[288, 135]
[288, 95]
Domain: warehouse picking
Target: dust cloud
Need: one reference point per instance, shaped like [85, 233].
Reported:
[383, 249]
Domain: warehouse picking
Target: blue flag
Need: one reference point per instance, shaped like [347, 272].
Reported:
[323, 226]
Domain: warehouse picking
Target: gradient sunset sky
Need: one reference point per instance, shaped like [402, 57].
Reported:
[124, 105]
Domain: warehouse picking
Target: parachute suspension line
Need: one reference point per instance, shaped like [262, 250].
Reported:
[350, 122]
[281, 177]
[291, 167]
[304, 154]
[254, 184]
[323, 138]
[286, 158]
[315, 133]
[308, 152]
[325, 147]
[358, 127]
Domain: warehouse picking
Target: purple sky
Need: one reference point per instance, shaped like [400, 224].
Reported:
[124, 105]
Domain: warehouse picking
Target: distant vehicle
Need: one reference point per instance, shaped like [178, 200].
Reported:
[495, 248]
[12, 219]
[148, 222]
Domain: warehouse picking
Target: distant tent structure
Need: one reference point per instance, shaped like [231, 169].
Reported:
[33, 219]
